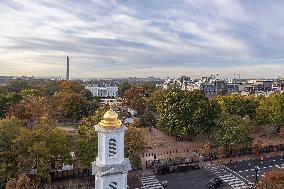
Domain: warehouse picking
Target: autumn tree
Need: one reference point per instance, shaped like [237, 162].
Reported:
[220, 152]
[134, 98]
[231, 130]
[257, 147]
[30, 110]
[206, 149]
[23, 181]
[273, 180]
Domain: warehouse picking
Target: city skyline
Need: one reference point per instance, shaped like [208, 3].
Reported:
[129, 38]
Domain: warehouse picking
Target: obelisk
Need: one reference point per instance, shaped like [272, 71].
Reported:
[67, 71]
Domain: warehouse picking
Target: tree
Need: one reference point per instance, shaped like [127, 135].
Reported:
[206, 149]
[30, 110]
[263, 111]
[231, 130]
[185, 113]
[73, 106]
[257, 147]
[122, 87]
[10, 129]
[133, 98]
[238, 105]
[135, 144]
[148, 119]
[30, 92]
[277, 109]
[273, 180]
[17, 86]
[21, 182]
[86, 145]
[220, 152]
[8, 100]
[39, 148]
[71, 87]
[86, 140]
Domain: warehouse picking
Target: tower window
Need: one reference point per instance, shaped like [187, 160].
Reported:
[112, 147]
[113, 185]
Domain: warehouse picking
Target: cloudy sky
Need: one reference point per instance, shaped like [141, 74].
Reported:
[121, 38]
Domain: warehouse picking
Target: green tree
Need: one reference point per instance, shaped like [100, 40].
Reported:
[231, 130]
[8, 100]
[39, 148]
[73, 106]
[238, 105]
[277, 109]
[135, 144]
[17, 86]
[148, 119]
[122, 87]
[10, 129]
[86, 145]
[263, 111]
[86, 140]
[185, 112]
[30, 92]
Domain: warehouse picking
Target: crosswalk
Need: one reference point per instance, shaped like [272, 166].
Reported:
[150, 182]
[227, 176]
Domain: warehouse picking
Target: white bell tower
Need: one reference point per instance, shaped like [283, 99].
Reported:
[111, 167]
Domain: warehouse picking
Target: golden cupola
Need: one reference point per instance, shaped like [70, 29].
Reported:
[110, 120]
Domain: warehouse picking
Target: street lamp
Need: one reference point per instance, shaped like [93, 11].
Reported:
[256, 169]
[164, 183]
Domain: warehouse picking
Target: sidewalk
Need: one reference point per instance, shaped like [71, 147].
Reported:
[246, 157]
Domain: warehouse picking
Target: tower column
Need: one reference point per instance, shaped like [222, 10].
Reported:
[111, 167]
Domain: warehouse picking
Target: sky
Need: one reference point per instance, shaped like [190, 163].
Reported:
[127, 38]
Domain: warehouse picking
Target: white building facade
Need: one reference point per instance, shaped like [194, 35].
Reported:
[103, 91]
[111, 167]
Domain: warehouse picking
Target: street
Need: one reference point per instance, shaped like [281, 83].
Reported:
[235, 175]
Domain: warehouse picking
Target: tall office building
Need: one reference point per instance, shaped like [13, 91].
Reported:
[67, 71]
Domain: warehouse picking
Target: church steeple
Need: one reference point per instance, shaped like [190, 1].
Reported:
[111, 167]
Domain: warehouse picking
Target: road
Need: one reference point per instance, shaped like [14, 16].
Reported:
[237, 175]
[247, 168]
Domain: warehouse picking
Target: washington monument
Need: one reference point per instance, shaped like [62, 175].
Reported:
[67, 71]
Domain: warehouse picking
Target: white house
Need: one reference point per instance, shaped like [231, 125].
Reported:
[103, 91]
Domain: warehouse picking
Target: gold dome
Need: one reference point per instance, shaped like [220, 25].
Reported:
[110, 120]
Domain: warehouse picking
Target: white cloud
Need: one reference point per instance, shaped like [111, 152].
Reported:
[148, 36]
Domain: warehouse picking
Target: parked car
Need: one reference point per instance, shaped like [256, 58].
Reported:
[193, 167]
[162, 169]
[215, 182]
